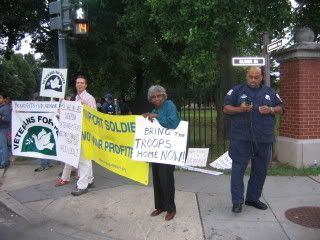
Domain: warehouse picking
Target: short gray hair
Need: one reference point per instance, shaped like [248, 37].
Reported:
[156, 88]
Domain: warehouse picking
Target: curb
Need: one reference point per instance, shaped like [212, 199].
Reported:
[20, 209]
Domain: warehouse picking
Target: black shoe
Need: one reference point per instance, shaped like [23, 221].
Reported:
[79, 192]
[258, 204]
[237, 208]
[40, 169]
[91, 185]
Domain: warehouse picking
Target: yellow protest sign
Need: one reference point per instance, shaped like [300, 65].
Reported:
[108, 140]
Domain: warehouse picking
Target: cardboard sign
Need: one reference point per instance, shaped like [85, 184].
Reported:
[154, 143]
[197, 157]
[223, 162]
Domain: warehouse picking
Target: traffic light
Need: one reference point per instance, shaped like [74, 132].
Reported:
[81, 22]
[61, 15]
[68, 17]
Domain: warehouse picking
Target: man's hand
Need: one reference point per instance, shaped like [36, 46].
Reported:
[245, 107]
[265, 109]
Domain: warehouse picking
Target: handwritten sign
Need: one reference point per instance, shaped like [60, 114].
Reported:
[223, 162]
[197, 157]
[154, 143]
[69, 135]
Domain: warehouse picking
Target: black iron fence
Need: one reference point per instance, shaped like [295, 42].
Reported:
[202, 118]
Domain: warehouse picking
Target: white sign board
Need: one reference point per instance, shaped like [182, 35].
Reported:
[70, 130]
[223, 162]
[274, 45]
[197, 157]
[35, 129]
[53, 82]
[154, 143]
[248, 61]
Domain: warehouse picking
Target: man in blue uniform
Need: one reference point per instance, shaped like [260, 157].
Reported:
[252, 108]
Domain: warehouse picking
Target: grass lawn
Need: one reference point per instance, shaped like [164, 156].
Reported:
[280, 169]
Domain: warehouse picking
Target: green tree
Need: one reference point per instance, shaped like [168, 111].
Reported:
[18, 18]
[307, 15]
[19, 76]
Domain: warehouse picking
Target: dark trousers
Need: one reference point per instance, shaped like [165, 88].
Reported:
[163, 185]
[241, 152]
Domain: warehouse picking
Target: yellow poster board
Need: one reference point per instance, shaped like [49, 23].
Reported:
[108, 140]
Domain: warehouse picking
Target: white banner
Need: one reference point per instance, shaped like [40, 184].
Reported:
[153, 143]
[197, 157]
[35, 133]
[34, 106]
[53, 82]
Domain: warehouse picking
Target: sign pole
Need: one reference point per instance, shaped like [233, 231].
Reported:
[62, 50]
[266, 55]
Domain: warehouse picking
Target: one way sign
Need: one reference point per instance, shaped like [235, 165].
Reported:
[274, 45]
[248, 61]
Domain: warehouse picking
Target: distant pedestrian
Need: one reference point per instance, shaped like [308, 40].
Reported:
[108, 106]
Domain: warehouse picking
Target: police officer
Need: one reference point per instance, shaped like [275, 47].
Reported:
[108, 106]
[252, 107]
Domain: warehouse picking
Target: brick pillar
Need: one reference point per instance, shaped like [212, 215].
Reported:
[298, 143]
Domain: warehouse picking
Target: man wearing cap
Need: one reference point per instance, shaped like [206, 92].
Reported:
[252, 108]
[108, 106]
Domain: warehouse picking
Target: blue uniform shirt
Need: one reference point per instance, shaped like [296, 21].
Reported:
[252, 126]
[168, 115]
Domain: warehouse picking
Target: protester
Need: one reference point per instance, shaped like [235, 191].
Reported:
[108, 106]
[86, 179]
[252, 107]
[124, 108]
[5, 124]
[163, 174]
[45, 164]
[12, 158]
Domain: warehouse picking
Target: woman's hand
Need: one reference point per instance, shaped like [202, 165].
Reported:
[150, 116]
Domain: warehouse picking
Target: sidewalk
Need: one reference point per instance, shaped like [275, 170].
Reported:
[118, 208]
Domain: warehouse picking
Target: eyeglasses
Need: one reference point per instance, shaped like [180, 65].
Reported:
[156, 96]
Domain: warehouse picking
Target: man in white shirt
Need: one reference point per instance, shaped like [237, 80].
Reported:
[86, 179]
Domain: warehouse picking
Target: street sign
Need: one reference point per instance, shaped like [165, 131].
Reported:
[248, 61]
[274, 45]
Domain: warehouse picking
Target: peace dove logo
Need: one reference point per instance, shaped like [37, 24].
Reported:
[54, 82]
[39, 139]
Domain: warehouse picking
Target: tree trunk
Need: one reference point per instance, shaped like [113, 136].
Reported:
[225, 82]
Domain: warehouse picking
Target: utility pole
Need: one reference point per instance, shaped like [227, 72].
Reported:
[266, 55]
[62, 49]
